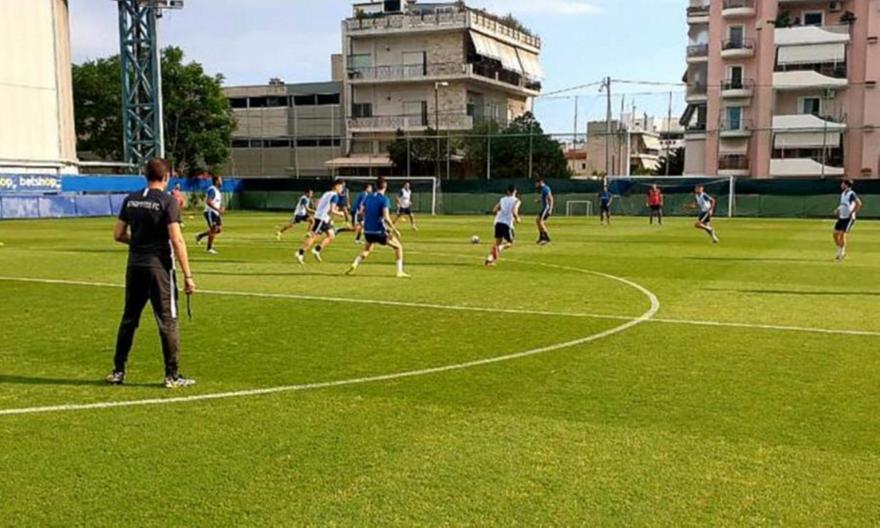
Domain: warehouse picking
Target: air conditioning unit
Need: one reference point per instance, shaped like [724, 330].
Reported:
[835, 7]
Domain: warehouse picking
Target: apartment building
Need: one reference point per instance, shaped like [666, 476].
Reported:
[783, 88]
[443, 66]
[286, 130]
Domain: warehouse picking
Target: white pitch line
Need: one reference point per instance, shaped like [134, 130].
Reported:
[655, 307]
[654, 320]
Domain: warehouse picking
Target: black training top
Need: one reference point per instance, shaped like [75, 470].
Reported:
[149, 213]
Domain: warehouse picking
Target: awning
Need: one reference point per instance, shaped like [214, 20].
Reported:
[509, 58]
[359, 162]
[652, 142]
[733, 146]
[811, 54]
[808, 140]
[485, 46]
[531, 64]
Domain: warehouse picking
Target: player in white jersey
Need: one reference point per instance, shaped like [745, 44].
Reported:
[850, 205]
[706, 205]
[322, 225]
[301, 214]
[213, 214]
[404, 205]
[506, 218]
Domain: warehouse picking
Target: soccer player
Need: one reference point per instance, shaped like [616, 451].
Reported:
[506, 218]
[178, 195]
[404, 205]
[605, 201]
[379, 229]
[149, 224]
[213, 214]
[850, 205]
[301, 214]
[706, 205]
[357, 213]
[344, 204]
[546, 212]
[655, 204]
[322, 225]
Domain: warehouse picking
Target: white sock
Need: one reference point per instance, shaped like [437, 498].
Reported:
[357, 262]
[400, 266]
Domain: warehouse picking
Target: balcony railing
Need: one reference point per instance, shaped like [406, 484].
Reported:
[736, 125]
[696, 128]
[489, 71]
[738, 44]
[697, 89]
[698, 11]
[479, 19]
[739, 4]
[837, 70]
[737, 84]
[733, 162]
[394, 72]
[698, 50]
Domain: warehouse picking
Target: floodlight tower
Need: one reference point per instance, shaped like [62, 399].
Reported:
[142, 129]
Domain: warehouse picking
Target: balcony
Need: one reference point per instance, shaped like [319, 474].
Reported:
[739, 48]
[811, 35]
[696, 92]
[407, 72]
[698, 14]
[803, 167]
[810, 76]
[733, 165]
[697, 53]
[807, 131]
[735, 128]
[409, 123]
[737, 88]
[439, 19]
[499, 77]
[695, 129]
[732, 9]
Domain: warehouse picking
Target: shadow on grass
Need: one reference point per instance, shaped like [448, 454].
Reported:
[755, 259]
[6, 379]
[805, 293]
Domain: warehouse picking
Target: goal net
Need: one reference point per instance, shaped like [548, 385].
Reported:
[578, 208]
[427, 197]
[631, 193]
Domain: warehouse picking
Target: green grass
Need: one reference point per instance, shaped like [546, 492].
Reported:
[663, 424]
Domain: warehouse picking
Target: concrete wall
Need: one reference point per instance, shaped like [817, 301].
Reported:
[36, 94]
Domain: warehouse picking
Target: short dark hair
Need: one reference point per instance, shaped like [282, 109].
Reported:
[539, 179]
[511, 189]
[381, 183]
[848, 182]
[338, 181]
[157, 170]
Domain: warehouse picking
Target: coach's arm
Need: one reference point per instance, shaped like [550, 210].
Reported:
[120, 233]
[179, 245]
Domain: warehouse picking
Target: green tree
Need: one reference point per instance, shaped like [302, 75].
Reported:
[510, 150]
[422, 158]
[197, 116]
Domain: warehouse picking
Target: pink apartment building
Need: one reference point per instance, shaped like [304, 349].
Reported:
[783, 88]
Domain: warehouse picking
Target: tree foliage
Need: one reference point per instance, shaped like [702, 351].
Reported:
[197, 116]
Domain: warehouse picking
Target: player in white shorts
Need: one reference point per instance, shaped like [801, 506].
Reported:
[322, 225]
[506, 218]
[706, 205]
[213, 214]
[850, 205]
[404, 205]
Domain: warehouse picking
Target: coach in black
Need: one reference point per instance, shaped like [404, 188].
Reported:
[149, 223]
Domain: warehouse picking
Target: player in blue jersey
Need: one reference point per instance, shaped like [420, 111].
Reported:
[706, 205]
[301, 214]
[546, 212]
[357, 213]
[379, 229]
[605, 201]
[322, 225]
[850, 205]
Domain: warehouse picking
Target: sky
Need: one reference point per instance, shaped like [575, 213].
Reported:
[251, 41]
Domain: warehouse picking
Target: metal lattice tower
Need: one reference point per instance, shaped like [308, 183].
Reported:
[143, 131]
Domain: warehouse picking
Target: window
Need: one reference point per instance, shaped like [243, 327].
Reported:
[278, 143]
[361, 110]
[736, 35]
[734, 118]
[736, 78]
[328, 99]
[814, 18]
[811, 105]
[238, 102]
[277, 101]
[357, 61]
[258, 102]
[241, 143]
[306, 142]
[305, 100]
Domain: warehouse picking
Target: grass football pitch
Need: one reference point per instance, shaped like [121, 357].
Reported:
[625, 375]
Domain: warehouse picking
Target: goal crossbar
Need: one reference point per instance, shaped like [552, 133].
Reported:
[432, 180]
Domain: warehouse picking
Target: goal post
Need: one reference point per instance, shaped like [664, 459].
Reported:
[427, 195]
[574, 208]
[677, 190]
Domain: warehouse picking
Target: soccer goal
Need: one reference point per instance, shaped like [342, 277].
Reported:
[426, 194]
[578, 208]
[630, 193]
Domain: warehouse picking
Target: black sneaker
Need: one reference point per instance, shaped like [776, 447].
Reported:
[116, 378]
[179, 382]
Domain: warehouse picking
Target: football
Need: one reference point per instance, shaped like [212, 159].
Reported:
[475, 240]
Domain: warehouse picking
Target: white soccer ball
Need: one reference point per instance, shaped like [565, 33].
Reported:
[475, 240]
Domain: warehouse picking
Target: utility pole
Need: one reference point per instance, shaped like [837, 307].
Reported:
[437, 86]
[622, 132]
[574, 142]
[606, 85]
[668, 126]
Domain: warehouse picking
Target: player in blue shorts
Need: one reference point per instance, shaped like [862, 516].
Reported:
[322, 225]
[605, 201]
[379, 229]
[850, 205]
[301, 214]
[357, 213]
[546, 212]
[706, 205]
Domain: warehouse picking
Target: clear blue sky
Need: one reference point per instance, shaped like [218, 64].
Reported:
[249, 41]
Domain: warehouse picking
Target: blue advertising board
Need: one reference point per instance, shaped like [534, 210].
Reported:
[29, 183]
